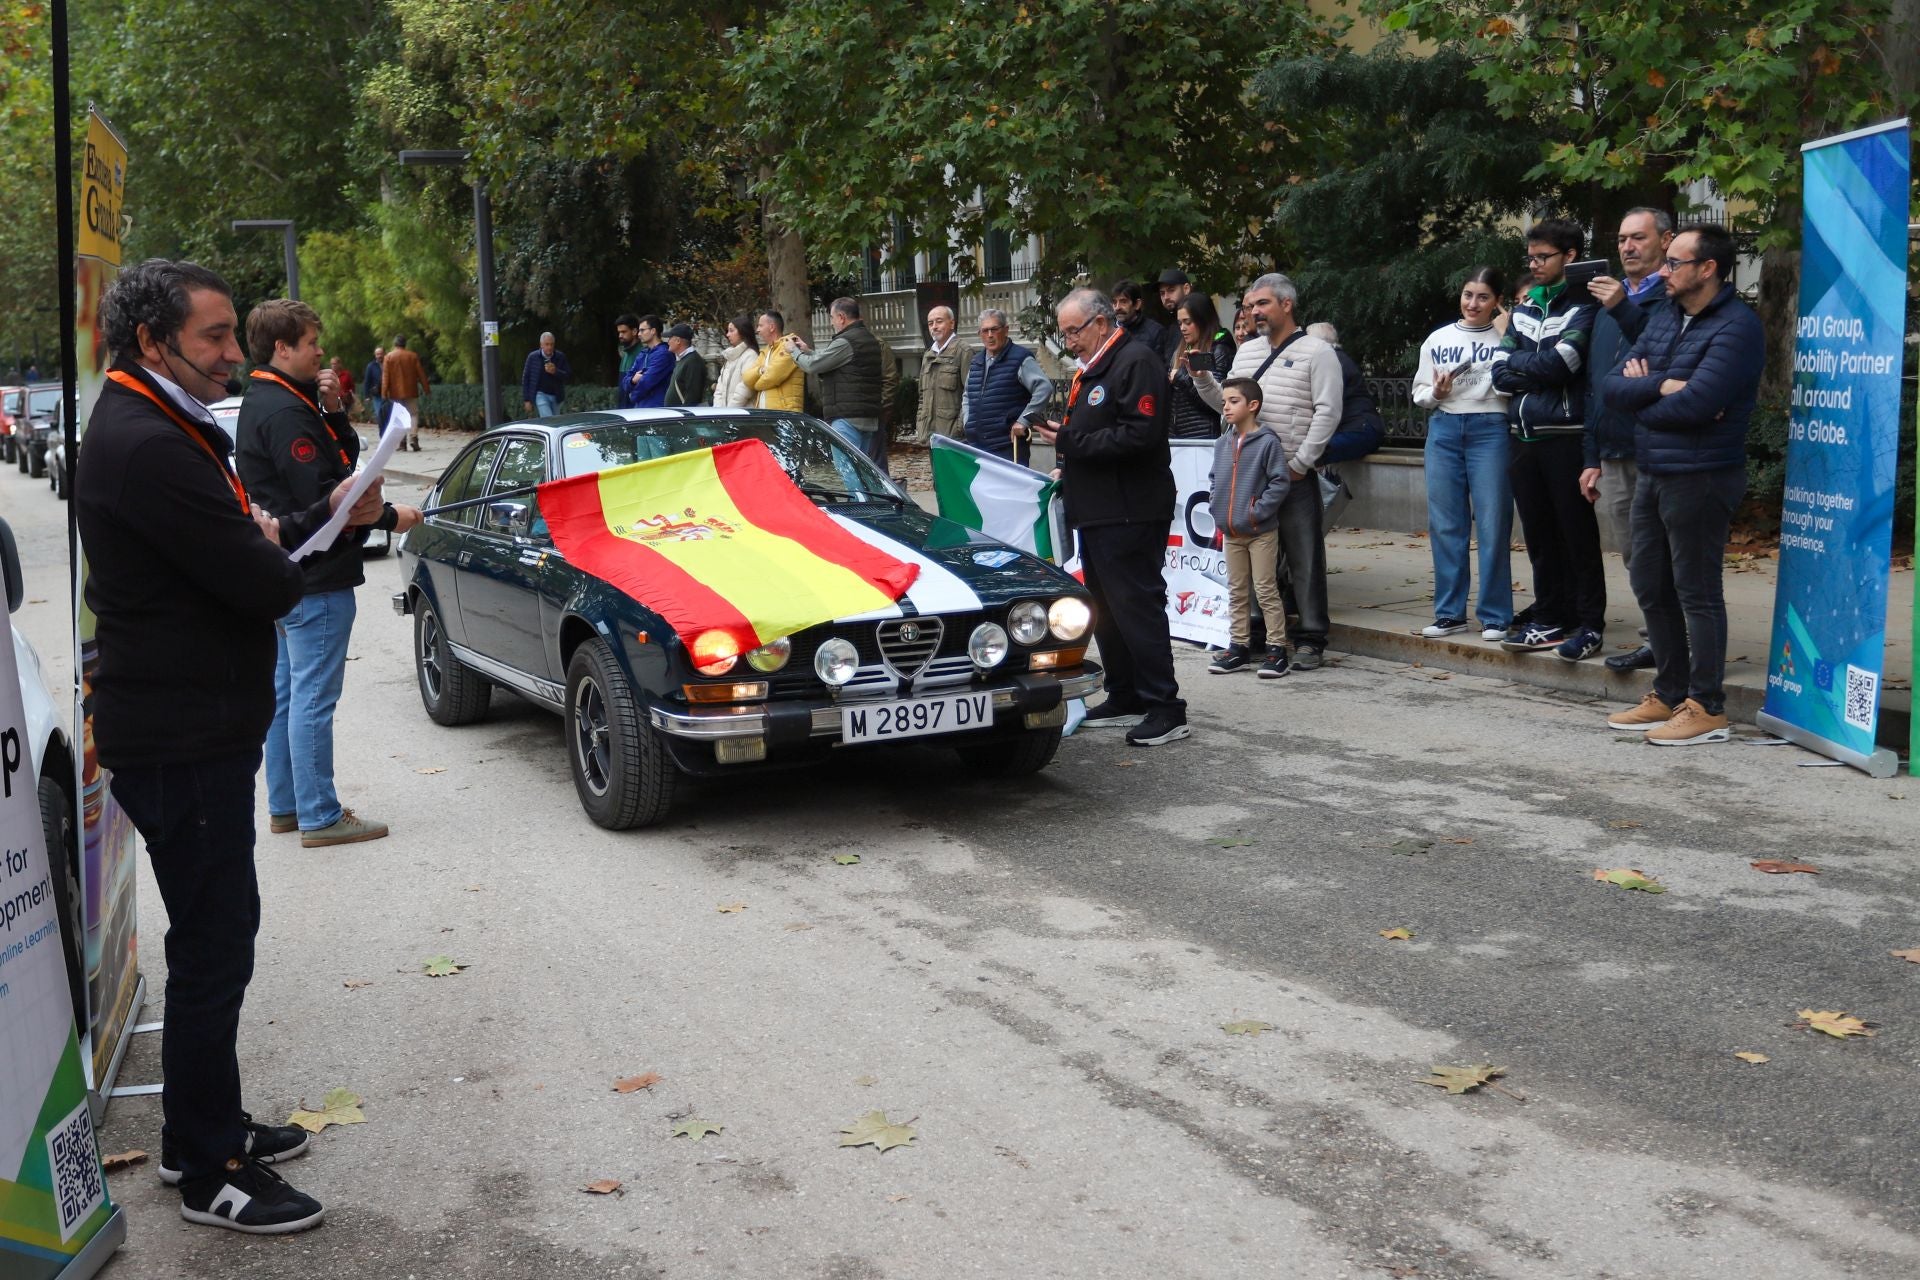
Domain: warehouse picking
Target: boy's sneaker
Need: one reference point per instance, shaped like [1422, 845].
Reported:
[1235, 657]
[1158, 729]
[1535, 635]
[1276, 664]
[1692, 724]
[247, 1196]
[267, 1143]
[1493, 633]
[1444, 627]
[1112, 715]
[1581, 645]
[1309, 657]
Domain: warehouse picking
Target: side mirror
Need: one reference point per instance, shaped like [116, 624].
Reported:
[10, 569]
[511, 518]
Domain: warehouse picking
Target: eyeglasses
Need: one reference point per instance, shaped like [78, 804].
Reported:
[1535, 259]
[1674, 264]
[1075, 330]
[993, 328]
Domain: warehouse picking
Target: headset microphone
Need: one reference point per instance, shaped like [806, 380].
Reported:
[175, 348]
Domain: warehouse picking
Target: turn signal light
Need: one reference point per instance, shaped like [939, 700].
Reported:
[738, 691]
[1053, 658]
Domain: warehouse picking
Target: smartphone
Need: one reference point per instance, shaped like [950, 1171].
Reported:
[1199, 362]
[1460, 368]
[1580, 275]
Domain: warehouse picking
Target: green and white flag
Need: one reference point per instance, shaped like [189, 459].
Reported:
[1000, 498]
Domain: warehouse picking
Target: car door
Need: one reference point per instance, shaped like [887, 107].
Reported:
[445, 543]
[500, 583]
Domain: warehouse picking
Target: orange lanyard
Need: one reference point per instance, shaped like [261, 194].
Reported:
[132, 383]
[270, 376]
[1073, 391]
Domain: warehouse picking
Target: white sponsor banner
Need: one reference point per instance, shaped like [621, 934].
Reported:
[1197, 596]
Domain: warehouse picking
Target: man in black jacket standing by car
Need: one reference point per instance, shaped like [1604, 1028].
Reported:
[186, 576]
[294, 444]
[1117, 478]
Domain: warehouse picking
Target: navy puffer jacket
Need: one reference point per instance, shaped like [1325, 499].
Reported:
[1702, 426]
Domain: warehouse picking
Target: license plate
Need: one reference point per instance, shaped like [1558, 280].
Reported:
[916, 717]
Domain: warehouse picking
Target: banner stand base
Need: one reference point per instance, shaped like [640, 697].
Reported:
[103, 1090]
[1879, 763]
[98, 1250]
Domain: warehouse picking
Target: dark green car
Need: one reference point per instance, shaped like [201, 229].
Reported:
[981, 654]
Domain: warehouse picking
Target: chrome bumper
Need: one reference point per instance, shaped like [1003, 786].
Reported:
[750, 721]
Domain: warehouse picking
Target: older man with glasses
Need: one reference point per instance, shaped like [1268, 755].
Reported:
[1006, 392]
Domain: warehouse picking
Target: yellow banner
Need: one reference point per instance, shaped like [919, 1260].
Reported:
[103, 185]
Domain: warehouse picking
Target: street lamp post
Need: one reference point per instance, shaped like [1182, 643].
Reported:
[483, 245]
[285, 227]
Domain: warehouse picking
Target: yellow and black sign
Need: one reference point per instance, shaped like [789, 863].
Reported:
[103, 185]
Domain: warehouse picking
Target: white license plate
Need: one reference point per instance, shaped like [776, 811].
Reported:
[915, 717]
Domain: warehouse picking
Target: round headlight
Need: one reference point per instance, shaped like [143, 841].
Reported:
[836, 661]
[1028, 622]
[771, 656]
[714, 653]
[987, 646]
[1068, 618]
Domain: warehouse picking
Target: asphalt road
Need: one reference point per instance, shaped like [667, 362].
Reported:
[1036, 976]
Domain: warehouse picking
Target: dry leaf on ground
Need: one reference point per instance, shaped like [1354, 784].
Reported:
[797, 926]
[1749, 1056]
[1629, 878]
[340, 1106]
[696, 1129]
[1249, 1027]
[633, 1084]
[866, 1082]
[1776, 867]
[1463, 1079]
[876, 1130]
[122, 1160]
[1832, 1022]
[354, 984]
[1622, 824]
[1459, 839]
[431, 769]
[1912, 955]
[845, 859]
[898, 1199]
[731, 908]
[604, 1187]
[1397, 934]
[441, 966]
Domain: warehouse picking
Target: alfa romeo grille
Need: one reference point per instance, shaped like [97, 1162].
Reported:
[907, 643]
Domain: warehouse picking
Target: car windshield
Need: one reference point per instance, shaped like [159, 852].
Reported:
[818, 460]
[46, 401]
[13, 401]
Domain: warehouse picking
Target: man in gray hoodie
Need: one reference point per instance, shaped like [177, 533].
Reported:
[1250, 483]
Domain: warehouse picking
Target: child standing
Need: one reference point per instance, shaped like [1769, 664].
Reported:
[1250, 480]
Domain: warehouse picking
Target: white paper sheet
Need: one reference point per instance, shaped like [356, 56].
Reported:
[398, 425]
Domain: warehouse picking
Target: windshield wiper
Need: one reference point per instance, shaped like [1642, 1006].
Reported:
[813, 489]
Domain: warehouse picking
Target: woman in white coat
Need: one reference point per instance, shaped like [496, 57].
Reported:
[731, 392]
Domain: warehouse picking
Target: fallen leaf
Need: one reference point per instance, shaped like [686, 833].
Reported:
[604, 1187]
[1834, 1023]
[898, 1199]
[476, 888]
[442, 966]
[845, 859]
[1125, 764]
[1775, 867]
[122, 1160]
[633, 1084]
[431, 769]
[876, 1130]
[731, 908]
[1622, 824]
[340, 1106]
[866, 1082]
[1628, 878]
[1444, 675]
[1756, 1058]
[354, 984]
[1397, 934]
[1232, 842]
[1460, 840]
[1912, 955]
[797, 926]
[1250, 1027]
[1463, 1079]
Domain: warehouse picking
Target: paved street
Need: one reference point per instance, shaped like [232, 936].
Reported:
[1036, 975]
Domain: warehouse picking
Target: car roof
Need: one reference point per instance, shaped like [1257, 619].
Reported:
[565, 422]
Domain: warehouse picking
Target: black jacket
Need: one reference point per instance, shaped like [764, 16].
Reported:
[1702, 426]
[1115, 465]
[688, 385]
[1193, 418]
[185, 589]
[1542, 363]
[1610, 430]
[290, 455]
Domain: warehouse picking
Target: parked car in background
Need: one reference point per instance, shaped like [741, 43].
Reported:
[43, 418]
[13, 410]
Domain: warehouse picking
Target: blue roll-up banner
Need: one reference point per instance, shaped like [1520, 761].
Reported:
[1836, 525]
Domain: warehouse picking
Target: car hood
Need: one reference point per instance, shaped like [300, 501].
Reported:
[960, 569]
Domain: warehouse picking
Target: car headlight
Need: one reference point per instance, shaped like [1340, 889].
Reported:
[771, 656]
[714, 653]
[1027, 621]
[1068, 618]
[836, 661]
[987, 646]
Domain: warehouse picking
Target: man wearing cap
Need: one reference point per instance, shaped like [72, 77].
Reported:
[1173, 287]
[689, 383]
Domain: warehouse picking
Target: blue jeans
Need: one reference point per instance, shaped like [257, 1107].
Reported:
[1467, 489]
[306, 688]
[373, 407]
[545, 405]
[871, 444]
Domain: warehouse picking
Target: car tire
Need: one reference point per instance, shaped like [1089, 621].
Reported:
[56, 823]
[621, 770]
[6, 448]
[1031, 752]
[452, 692]
[37, 463]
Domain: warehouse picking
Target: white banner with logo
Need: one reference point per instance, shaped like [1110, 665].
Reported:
[1197, 596]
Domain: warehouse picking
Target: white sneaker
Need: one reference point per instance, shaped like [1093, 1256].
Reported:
[1493, 633]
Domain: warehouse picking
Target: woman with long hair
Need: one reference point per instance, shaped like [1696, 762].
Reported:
[1468, 493]
[731, 392]
[1203, 345]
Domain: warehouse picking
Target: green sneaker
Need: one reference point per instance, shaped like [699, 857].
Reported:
[347, 829]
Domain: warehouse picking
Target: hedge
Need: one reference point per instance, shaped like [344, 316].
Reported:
[462, 406]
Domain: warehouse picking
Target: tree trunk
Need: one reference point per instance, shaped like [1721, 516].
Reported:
[787, 271]
[1780, 304]
[1903, 52]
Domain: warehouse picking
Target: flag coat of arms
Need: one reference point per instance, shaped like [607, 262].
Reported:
[997, 496]
[719, 539]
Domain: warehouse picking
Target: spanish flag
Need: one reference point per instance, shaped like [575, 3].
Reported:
[720, 539]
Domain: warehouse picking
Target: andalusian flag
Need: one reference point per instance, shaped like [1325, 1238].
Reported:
[1000, 498]
[720, 539]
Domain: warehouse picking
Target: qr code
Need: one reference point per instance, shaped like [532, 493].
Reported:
[75, 1161]
[1863, 689]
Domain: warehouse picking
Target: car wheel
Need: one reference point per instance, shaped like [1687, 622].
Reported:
[452, 692]
[36, 463]
[6, 448]
[621, 770]
[1031, 752]
[56, 822]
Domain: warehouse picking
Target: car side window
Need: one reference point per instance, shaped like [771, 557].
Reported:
[468, 479]
[523, 463]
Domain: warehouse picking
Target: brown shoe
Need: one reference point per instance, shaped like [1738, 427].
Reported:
[281, 823]
[1691, 725]
[1649, 713]
[347, 829]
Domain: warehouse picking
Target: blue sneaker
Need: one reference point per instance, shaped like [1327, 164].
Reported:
[1582, 644]
[1534, 635]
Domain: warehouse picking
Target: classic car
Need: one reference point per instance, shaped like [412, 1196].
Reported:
[981, 654]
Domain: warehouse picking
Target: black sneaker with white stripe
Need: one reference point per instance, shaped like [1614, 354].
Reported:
[267, 1143]
[1159, 728]
[247, 1196]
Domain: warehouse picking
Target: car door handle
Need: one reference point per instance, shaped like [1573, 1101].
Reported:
[466, 557]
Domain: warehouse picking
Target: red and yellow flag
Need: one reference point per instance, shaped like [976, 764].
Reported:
[720, 539]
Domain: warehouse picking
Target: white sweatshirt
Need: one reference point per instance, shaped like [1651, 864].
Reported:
[1473, 390]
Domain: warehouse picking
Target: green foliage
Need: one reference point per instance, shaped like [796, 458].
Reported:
[462, 406]
[29, 281]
